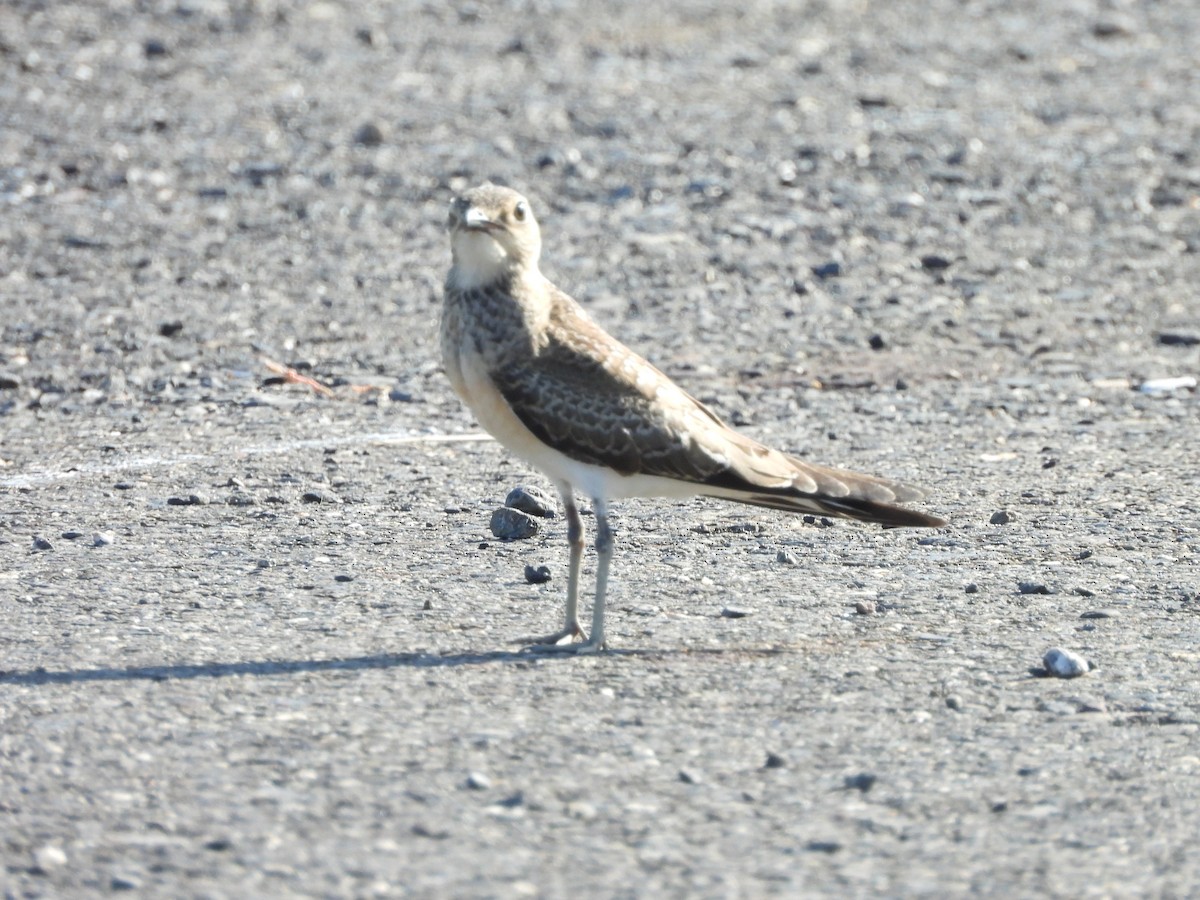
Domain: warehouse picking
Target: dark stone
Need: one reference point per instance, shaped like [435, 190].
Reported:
[1170, 339]
[368, 135]
[540, 575]
[863, 781]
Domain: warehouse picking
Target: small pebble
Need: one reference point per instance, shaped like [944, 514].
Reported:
[49, 857]
[863, 781]
[71, 535]
[582, 810]
[428, 604]
[1033, 587]
[1100, 614]
[368, 135]
[477, 781]
[736, 612]
[318, 497]
[103, 538]
[865, 607]
[934, 262]
[1169, 339]
[690, 776]
[343, 578]
[189, 500]
[1064, 663]
[40, 543]
[1084, 592]
[512, 524]
[1001, 517]
[876, 342]
[1166, 385]
[513, 801]
[540, 575]
[124, 883]
[954, 702]
[775, 761]
[971, 588]
[530, 500]
[787, 557]
[823, 846]
[827, 270]
[434, 834]
[1115, 27]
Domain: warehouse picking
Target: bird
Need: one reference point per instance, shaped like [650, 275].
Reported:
[595, 417]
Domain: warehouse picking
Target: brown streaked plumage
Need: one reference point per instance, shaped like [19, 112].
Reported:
[562, 393]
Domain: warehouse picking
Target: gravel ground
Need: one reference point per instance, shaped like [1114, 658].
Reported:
[258, 639]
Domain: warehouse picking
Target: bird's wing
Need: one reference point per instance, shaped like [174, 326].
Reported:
[595, 400]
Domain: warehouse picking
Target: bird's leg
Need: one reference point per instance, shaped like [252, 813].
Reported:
[571, 627]
[604, 551]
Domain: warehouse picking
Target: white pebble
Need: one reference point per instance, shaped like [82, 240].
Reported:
[1065, 663]
[49, 857]
[1165, 385]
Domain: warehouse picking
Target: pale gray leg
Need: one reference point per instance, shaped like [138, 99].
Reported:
[604, 551]
[571, 628]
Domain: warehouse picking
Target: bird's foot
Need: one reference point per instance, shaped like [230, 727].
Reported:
[564, 637]
[563, 642]
[589, 646]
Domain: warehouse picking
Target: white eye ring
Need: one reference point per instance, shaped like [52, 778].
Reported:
[520, 211]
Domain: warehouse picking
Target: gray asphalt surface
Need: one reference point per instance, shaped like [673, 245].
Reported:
[945, 242]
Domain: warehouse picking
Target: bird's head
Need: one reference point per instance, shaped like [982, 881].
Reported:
[492, 233]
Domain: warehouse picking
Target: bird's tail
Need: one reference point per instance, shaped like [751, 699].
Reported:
[861, 510]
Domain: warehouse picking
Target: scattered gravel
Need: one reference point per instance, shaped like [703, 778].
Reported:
[1002, 195]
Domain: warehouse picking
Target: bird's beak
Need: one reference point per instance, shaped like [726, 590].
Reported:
[474, 220]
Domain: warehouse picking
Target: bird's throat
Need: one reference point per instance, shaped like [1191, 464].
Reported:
[479, 260]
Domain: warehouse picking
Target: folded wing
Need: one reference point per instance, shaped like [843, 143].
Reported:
[593, 399]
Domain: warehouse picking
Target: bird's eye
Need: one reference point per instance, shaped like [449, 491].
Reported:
[520, 211]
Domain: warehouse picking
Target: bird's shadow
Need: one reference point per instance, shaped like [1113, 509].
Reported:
[41, 676]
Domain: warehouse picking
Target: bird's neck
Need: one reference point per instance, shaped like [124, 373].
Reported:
[481, 262]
